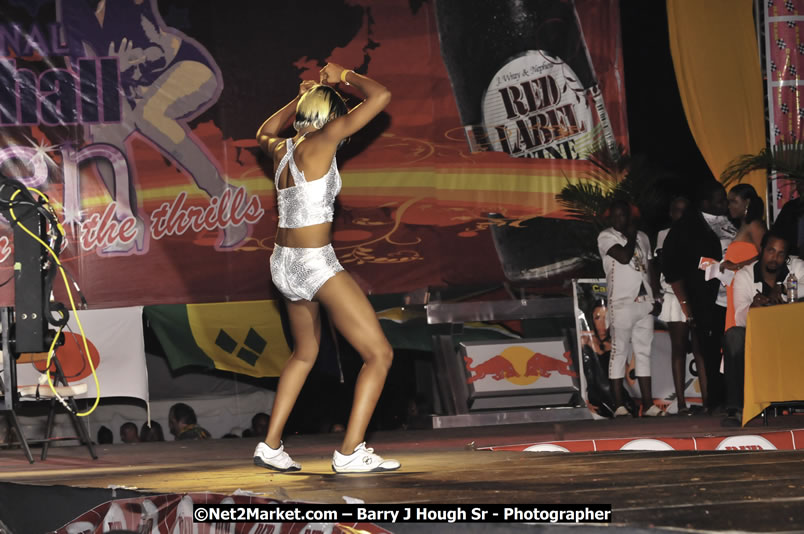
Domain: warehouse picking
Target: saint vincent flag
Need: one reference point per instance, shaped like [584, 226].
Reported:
[242, 337]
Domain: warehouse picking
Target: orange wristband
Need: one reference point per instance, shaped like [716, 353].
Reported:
[343, 76]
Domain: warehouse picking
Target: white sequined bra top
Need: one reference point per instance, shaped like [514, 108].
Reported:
[306, 203]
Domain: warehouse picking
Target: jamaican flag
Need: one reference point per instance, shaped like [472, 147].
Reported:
[242, 337]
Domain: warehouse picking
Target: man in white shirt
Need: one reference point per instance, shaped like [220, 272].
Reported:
[761, 283]
[626, 255]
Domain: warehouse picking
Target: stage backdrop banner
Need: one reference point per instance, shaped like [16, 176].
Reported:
[242, 337]
[784, 48]
[594, 346]
[138, 118]
[117, 347]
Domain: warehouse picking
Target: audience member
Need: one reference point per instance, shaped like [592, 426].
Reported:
[626, 255]
[183, 424]
[105, 435]
[151, 433]
[337, 428]
[700, 233]
[129, 433]
[759, 284]
[596, 355]
[746, 207]
[790, 222]
[259, 425]
[676, 322]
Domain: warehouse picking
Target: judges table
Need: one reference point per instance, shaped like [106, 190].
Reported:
[774, 357]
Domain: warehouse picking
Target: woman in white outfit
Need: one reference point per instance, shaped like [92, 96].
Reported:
[306, 271]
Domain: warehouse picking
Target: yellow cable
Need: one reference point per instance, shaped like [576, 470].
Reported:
[72, 304]
[47, 203]
[50, 352]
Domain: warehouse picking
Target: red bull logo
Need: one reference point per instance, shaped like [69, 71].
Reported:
[520, 366]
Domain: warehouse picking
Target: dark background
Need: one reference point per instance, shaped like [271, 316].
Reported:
[657, 125]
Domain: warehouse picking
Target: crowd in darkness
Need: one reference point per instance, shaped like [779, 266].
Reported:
[752, 266]
[395, 409]
[183, 425]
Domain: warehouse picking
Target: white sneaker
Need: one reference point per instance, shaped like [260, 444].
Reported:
[621, 411]
[653, 411]
[363, 460]
[276, 459]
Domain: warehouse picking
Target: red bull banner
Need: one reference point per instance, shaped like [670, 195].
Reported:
[137, 119]
[594, 350]
[508, 374]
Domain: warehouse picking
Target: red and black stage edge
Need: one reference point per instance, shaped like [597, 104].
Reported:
[741, 489]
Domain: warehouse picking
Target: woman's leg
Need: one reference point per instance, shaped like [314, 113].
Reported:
[646, 392]
[352, 314]
[679, 334]
[697, 352]
[617, 390]
[305, 326]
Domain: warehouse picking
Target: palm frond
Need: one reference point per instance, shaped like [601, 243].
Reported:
[639, 185]
[610, 167]
[586, 199]
[785, 159]
[589, 197]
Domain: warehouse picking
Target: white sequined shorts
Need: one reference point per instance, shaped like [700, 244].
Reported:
[298, 273]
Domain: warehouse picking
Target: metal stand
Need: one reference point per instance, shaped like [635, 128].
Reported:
[10, 396]
[25, 329]
[11, 399]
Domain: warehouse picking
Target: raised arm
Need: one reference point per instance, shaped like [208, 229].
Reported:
[268, 134]
[624, 253]
[377, 97]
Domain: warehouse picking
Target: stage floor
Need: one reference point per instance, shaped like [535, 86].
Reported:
[703, 490]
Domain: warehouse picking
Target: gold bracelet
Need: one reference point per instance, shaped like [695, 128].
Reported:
[343, 76]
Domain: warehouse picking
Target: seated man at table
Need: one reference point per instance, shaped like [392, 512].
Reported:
[761, 283]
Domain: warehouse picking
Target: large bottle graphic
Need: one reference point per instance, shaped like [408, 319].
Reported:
[522, 78]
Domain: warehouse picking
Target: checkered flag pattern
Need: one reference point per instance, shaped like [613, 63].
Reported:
[786, 112]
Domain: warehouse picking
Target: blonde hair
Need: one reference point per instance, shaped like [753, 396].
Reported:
[318, 106]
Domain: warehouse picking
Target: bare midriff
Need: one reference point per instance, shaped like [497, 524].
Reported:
[314, 236]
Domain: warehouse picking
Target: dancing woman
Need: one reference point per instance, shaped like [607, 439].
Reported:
[304, 267]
